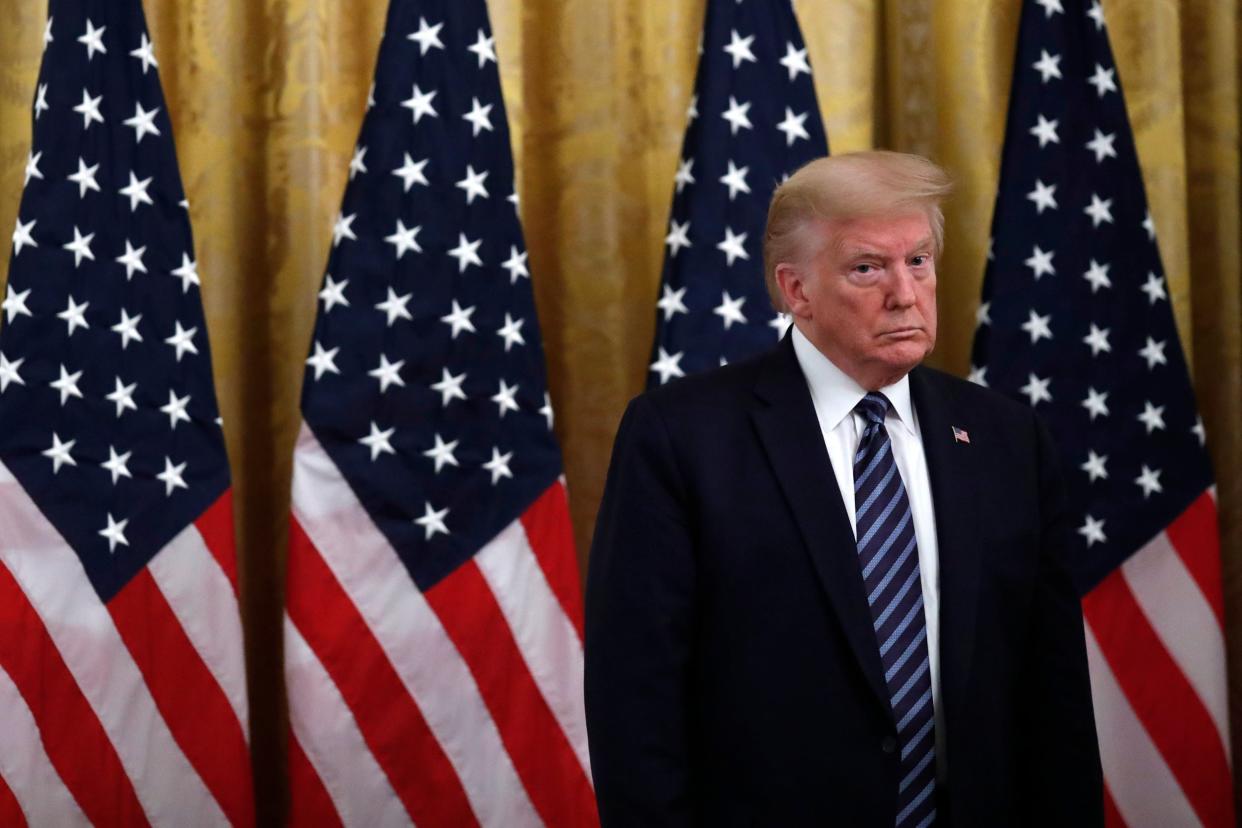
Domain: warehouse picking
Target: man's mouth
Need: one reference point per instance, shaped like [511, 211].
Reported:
[902, 333]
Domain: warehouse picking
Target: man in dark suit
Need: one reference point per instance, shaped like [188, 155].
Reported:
[825, 585]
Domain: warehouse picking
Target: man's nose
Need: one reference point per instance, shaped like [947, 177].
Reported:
[901, 293]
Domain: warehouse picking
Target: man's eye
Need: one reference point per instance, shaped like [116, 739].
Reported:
[919, 261]
[864, 269]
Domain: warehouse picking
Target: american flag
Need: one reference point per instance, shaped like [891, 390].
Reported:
[1076, 321]
[433, 632]
[122, 687]
[753, 121]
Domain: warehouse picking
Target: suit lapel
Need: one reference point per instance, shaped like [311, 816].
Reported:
[790, 434]
[952, 467]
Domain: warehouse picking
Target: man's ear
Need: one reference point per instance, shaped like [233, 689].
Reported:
[792, 282]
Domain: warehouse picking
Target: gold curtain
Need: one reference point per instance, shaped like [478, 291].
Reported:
[267, 97]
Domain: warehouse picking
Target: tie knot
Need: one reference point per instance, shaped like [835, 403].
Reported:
[873, 407]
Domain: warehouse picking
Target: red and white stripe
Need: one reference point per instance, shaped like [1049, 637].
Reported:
[458, 706]
[1156, 650]
[126, 713]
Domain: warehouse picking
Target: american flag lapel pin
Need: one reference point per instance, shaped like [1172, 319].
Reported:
[960, 435]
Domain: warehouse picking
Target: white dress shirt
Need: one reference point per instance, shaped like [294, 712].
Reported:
[835, 394]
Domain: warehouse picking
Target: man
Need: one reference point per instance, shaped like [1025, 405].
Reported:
[825, 585]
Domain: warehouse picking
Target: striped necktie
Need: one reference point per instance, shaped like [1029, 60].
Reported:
[889, 558]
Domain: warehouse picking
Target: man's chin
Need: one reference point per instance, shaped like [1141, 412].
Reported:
[900, 357]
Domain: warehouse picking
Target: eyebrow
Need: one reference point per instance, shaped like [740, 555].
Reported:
[865, 253]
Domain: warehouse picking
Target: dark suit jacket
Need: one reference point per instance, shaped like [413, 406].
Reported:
[732, 672]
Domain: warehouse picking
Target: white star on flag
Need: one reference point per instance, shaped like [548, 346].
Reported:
[432, 521]
[733, 246]
[132, 259]
[67, 385]
[394, 307]
[378, 441]
[678, 236]
[388, 373]
[343, 228]
[1048, 66]
[1097, 275]
[1092, 531]
[484, 47]
[74, 316]
[671, 303]
[80, 247]
[333, 293]
[9, 372]
[419, 104]
[506, 398]
[735, 180]
[1036, 389]
[1149, 481]
[182, 340]
[323, 361]
[737, 115]
[516, 265]
[1102, 80]
[449, 387]
[1045, 131]
[427, 37]
[143, 122]
[466, 252]
[479, 117]
[22, 236]
[1044, 196]
[684, 176]
[794, 126]
[1040, 263]
[1097, 339]
[114, 533]
[85, 178]
[1100, 210]
[93, 40]
[739, 49]
[145, 53]
[411, 172]
[1102, 145]
[357, 164]
[442, 453]
[404, 239]
[59, 453]
[459, 319]
[795, 60]
[1096, 403]
[123, 397]
[472, 184]
[89, 109]
[172, 477]
[730, 310]
[499, 465]
[117, 464]
[1094, 466]
[137, 193]
[668, 366]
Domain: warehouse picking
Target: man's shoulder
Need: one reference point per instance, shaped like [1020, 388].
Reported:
[970, 396]
[719, 389]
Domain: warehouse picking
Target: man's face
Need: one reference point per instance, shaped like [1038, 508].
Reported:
[868, 300]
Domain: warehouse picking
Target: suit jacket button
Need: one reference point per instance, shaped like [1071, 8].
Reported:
[889, 745]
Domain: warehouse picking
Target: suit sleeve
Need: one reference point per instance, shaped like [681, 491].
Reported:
[1064, 779]
[639, 620]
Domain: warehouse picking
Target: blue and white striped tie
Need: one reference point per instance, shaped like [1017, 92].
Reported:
[889, 557]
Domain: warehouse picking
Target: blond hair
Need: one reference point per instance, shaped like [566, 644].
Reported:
[855, 185]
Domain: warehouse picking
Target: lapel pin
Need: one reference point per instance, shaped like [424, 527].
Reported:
[960, 435]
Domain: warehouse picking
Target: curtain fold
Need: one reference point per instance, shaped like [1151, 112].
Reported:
[266, 97]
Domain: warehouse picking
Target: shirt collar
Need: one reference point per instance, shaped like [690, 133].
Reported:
[836, 393]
